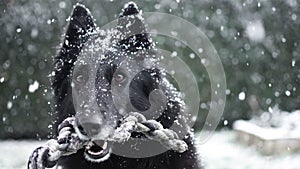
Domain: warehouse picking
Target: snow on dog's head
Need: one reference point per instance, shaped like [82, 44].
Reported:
[115, 72]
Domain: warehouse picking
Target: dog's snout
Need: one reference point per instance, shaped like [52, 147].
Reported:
[90, 128]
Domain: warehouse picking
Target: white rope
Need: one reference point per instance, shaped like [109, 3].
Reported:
[135, 122]
[69, 140]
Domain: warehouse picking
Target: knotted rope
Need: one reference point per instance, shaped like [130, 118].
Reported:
[152, 129]
[69, 141]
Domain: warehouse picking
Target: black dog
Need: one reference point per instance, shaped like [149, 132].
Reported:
[128, 40]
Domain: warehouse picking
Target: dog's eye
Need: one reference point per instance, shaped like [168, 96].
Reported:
[119, 77]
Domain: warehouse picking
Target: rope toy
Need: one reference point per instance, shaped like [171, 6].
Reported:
[152, 129]
[69, 141]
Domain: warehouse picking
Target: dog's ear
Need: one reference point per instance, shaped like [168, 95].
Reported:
[133, 30]
[80, 24]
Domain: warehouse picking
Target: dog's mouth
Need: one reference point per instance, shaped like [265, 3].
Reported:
[97, 151]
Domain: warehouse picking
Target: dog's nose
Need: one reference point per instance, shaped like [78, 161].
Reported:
[90, 128]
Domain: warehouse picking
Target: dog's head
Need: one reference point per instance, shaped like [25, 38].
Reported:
[113, 72]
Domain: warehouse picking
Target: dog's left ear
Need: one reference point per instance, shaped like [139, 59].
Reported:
[81, 23]
[133, 31]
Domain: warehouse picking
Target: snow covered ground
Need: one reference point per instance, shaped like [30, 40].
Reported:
[220, 152]
[14, 154]
[223, 152]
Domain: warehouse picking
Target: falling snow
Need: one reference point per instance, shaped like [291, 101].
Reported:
[9, 105]
[256, 42]
[293, 63]
[225, 122]
[287, 93]
[255, 31]
[192, 55]
[33, 87]
[242, 96]
[18, 30]
[1, 79]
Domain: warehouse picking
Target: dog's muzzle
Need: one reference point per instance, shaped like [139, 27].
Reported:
[97, 151]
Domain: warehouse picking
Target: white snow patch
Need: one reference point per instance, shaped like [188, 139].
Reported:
[33, 87]
[67, 42]
[174, 33]
[287, 93]
[258, 4]
[222, 151]
[221, 28]
[200, 50]
[192, 55]
[15, 154]
[227, 91]
[242, 96]
[9, 105]
[255, 31]
[225, 122]
[173, 54]
[293, 63]
[18, 30]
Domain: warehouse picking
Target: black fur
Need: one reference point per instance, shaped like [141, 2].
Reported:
[77, 36]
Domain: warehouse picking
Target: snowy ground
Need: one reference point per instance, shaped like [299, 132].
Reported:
[223, 152]
[220, 152]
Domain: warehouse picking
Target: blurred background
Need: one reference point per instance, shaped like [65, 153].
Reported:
[257, 41]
